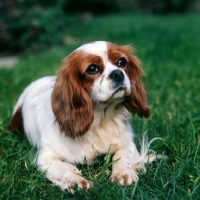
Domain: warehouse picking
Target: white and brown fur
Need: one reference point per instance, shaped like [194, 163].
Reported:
[79, 115]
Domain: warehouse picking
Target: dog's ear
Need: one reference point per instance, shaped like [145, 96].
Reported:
[137, 101]
[72, 106]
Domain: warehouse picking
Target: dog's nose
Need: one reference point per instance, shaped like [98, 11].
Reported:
[117, 75]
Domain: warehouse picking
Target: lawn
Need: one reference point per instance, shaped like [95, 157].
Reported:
[169, 48]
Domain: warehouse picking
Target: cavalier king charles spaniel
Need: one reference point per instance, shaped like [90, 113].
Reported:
[84, 112]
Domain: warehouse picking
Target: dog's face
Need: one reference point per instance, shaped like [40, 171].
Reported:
[96, 73]
[105, 68]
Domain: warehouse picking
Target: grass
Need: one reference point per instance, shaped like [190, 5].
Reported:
[168, 47]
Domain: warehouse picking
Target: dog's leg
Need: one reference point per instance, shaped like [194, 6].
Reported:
[62, 174]
[124, 170]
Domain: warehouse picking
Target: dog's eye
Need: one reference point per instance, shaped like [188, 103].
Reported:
[93, 69]
[122, 62]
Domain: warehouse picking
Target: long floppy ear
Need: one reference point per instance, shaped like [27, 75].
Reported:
[71, 104]
[137, 101]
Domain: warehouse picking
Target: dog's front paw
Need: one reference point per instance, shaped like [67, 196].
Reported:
[79, 184]
[75, 183]
[124, 177]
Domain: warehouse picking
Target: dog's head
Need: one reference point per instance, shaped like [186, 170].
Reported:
[96, 73]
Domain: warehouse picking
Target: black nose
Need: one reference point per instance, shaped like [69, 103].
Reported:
[117, 75]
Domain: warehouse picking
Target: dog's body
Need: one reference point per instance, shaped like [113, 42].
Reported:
[85, 112]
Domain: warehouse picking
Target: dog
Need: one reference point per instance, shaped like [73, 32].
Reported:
[84, 112]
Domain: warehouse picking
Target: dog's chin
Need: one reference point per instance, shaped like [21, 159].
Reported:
[120, 93]
[117, 96]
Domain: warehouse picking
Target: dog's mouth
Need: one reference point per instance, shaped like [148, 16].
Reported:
[119, 92]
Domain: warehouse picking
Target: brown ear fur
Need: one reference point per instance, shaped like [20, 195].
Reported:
[137, 101]
[16, 122]
[71, 104]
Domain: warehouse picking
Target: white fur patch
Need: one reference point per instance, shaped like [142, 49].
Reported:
[98, 48]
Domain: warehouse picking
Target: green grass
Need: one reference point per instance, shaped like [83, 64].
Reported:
[169, 48]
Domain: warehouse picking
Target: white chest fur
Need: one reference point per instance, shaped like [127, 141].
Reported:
[107, 134]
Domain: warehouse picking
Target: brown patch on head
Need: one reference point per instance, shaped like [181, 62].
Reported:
[87, 80]
[115, 54]
[136, 102]
[71, 103]
[16, 121]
